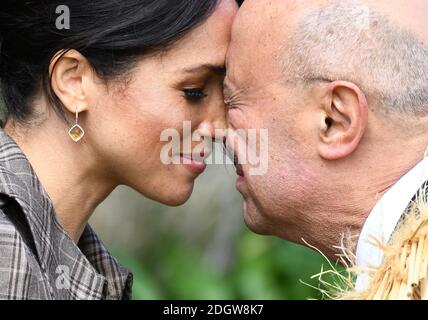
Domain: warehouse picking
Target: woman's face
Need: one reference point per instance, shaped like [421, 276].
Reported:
[182, 84]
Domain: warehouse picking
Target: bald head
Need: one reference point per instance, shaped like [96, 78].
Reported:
[315, 74]
[381, 45]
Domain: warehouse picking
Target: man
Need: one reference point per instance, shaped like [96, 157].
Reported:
[342, 87]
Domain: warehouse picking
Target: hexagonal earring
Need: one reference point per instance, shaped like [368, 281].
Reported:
[76, 132]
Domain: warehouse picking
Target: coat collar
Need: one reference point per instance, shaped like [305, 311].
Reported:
[83, 271]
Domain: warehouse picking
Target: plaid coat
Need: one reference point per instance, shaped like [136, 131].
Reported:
[38, 259]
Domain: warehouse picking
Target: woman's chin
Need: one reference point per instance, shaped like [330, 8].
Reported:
[176, 202]
[177, 197]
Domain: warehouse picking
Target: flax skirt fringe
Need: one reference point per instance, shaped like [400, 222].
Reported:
[403, 272]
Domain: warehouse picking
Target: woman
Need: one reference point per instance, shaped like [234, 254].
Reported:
[86, 107]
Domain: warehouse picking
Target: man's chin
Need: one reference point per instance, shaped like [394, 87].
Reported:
[254, 219]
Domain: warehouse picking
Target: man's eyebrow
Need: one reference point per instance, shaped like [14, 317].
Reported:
[212, 68]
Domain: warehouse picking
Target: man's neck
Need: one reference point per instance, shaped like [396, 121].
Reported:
[347, 218]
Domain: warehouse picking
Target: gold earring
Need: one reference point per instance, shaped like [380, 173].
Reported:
[76, 133]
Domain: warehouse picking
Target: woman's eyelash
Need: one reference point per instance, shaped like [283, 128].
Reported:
[194, 94]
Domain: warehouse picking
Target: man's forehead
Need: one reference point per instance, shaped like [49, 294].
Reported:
[255, 40]
[255, 20]
[263, 26]
[274, 15]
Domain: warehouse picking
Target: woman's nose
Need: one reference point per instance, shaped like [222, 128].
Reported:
[211, 130]
[215, 122]
[220, 121]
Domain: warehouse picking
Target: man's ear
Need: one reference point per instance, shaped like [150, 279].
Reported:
[71, 79]
[345, 116]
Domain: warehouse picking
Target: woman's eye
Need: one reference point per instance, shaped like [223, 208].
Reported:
[194, 95]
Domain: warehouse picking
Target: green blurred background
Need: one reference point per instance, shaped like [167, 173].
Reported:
[202, 250]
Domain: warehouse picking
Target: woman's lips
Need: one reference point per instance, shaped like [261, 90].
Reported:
[192, 165]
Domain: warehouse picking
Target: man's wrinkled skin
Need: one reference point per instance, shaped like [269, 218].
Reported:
[332, 152]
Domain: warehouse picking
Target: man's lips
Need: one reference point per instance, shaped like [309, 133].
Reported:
[238, 166]
[239, 170]
[240, 182]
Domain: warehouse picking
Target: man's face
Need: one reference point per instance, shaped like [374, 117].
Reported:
[258, 98]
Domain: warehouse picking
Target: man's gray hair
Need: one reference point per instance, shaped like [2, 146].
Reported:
[346, 40]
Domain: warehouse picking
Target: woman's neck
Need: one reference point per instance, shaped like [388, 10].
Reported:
[68, 171]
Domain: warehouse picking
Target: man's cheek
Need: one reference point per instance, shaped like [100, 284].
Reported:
[238, 119]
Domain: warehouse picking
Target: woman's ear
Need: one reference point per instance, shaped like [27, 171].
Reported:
[71, 78]
[345, 116]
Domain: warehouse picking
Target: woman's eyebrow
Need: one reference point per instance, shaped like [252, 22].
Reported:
[207, 68]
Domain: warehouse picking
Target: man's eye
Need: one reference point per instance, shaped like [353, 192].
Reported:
[229, 104]
[194, 95]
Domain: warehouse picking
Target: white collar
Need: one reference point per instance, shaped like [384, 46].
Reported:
[384, 218]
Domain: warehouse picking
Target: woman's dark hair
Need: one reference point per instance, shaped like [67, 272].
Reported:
[111, 34]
